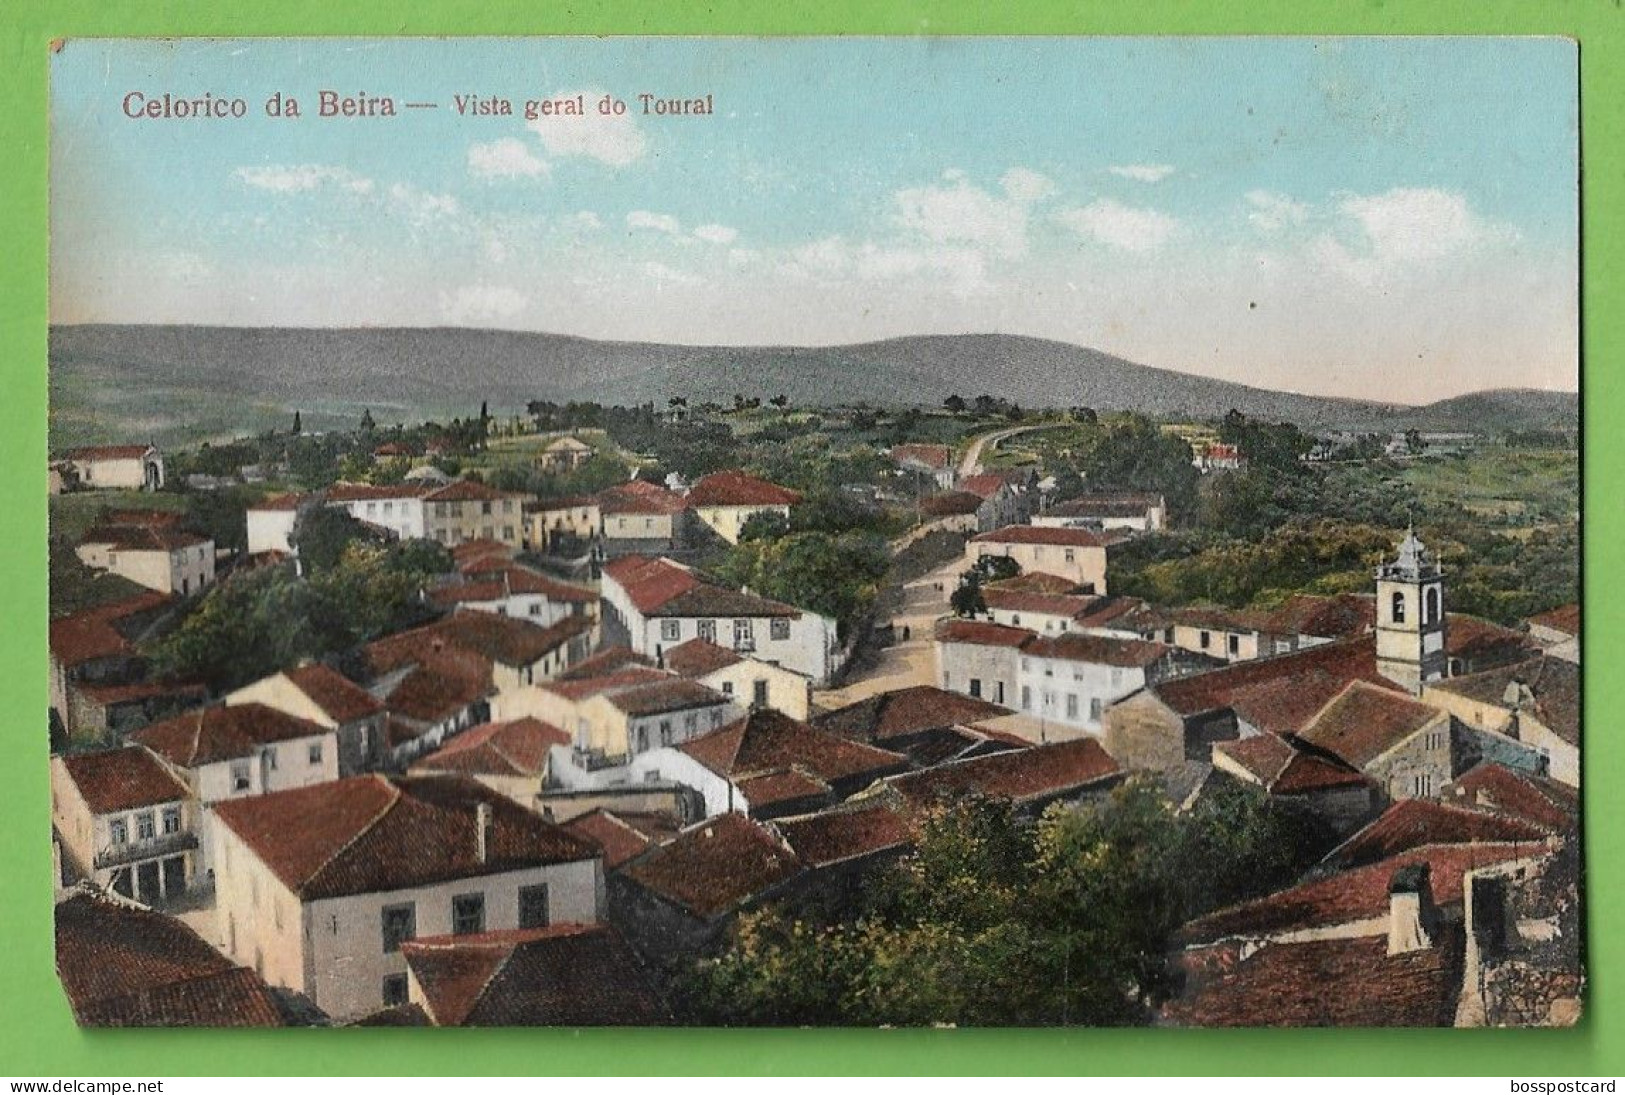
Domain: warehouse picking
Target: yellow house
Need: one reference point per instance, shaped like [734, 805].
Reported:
[725, 500]
[1073, 553]
[467, 510]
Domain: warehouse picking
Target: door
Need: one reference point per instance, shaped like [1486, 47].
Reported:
[146, 881]
[175, 875]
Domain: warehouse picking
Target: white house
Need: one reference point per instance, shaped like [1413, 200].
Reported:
[316, 889]
[1071, 679]
[662, 605]
[163, 558]
[1108, 510]
[398, 509]
[1073, 553]
[117, 467]
[271, 523]
[725, 500]
[125, 822]
[514, 590]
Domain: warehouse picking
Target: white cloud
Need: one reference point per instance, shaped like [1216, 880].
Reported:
[1025, 185]
[965, 214]
[420, 206]
[1272, 212]
[716, 233]
[659, 222]
[1417, 224]
[507, 158]
[1121, 226]
[659, 271]
[611, 139]
[293, 178]
[482, 303]
[1143, 172]
[584, 221]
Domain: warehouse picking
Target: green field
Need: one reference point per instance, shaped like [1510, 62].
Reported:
[1505, 486]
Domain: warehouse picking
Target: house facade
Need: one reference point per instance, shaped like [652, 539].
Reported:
[125, 823]
[167, 560]
[1075, 554]
[725, 500]
[467, 510]
[325, 698]
[117, 467]
[398, 509]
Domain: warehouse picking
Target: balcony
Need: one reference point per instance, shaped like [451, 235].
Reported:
[117, 855]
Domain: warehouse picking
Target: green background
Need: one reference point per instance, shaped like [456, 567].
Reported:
[37, 1034]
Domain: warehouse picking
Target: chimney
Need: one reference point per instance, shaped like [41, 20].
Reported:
[1410, 909]
[482, 831]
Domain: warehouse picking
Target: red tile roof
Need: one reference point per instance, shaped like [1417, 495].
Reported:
[1278, 694]
[1036, 581]
[906, 710]
[697, 658]
[564, 975]
[929, 456]
[983, 486]
[711, 601]
[781, 791]
[115, 780]
[467, 490]
[1500, 790]
[578, 689]
[1098, 650]
[143, 518]
[735, 488]
[1339, 617]
[766, 741]
[1059, 537]
[1282, 770]
[108, 452]
[1348, 896]
[215, 734]
[638, 497]
[285, 503]
[368, 834]
[1553, 691]
[1067, 605]
[842, 835]
[1469, 637]
[1021, 775]
[92, 634]
[340, 699]
[1305, 774]
[982, 633]
[715, 867]
[1565, 618]
[440, 687]
[511, 581]
[954, 503]
[504, 639]
[366, 492]
[122, 965]
[1326, 983]
[108, 695]
[517, 747]
[1416, 823]
[1263, 756]
[604, 663]
[1365, 721]
[143, 538]
[649, 583]
[620, 840]
[659, 697]
[482, 551]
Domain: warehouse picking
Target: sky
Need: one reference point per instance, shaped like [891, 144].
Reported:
[1392, 219]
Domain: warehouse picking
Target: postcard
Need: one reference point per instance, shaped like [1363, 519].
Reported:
[818, 532]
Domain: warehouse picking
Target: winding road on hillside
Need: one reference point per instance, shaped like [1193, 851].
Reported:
[972, 462]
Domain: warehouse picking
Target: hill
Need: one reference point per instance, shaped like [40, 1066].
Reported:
[150, 381]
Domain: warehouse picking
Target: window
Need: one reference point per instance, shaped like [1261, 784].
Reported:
[507, 532]
[468, 914]
[1071, 705]
[1094, 709]
[665, 731]
[1071, 556]
[389, 508]
[671, 630]
[780, 629]
[270, 758]
[314, 753]
[1168, 635]
[1015, 621]
[728, 689]
[240, 774]
[1234, 643]
[1430, 606]
[758, 694]
[395, 990]
[1026, 697]
[742, 634]
[172, 819]
[144, 829]
[975, 686]
[485, 509]
[533, 906]
[707, 630]
[400, 923]
[1422, 785]
[120, 832]
[1397, 613]
[1205, 640]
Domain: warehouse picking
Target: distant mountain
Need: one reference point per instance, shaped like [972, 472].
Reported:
[110, 380]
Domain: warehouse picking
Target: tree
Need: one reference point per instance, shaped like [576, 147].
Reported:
[1414, 444]
[764, 525]
[954, 404]
[835, 576]
[297, 427]
[367, 425]
[996, 568]
[322, 534]
[967, 601]
[780, 401]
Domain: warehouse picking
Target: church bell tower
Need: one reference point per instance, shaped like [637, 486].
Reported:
[1410, 617]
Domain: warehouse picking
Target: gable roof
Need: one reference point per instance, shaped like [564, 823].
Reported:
[841, 835]
[517, 747]
[716, 866]
[1496, 789]
[1364, 721]
[468, 490]
[577, 689]
[928, 456]
[1338, 617]
[1106, 504]
[660, 696]
[123, 965]
[1262, 756]
[1283, 770]
[439, 687]
[287, 502]
[1470, 637]
[1036, 581]
[1417, 822]
[621, 837]
[954, 503]
[497, 638]
[1278, 694]
[649, 583]
[983, 486]
[368, 834]
[1098, 650]
[735, 488]
[766, 741]
[562, 975]
[638, 497]
[108, 452]
[1058, 537]
[698, 658]
[340, 699]
[213, 734]
[114, 780]
[1326, 983]
[1068, 605]
[705, 600]
[1550, 691]
[94, 633]
[1021, 775]
[1347, 896]
[905, 710]
[510, 580]
[981, 633]
[609, 660]
[144, 538]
